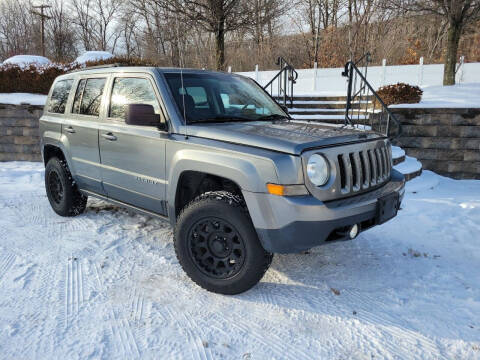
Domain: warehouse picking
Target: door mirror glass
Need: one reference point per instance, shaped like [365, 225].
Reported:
[141, 115]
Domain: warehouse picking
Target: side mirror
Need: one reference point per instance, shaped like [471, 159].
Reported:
[141, 115]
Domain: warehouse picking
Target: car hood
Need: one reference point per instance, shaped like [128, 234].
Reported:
[283, 136]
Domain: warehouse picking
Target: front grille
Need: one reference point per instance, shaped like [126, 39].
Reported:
[361, 170]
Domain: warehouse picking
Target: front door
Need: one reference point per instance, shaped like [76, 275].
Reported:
[81, 130]
[133, 157]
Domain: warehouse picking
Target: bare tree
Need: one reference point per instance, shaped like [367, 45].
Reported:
[84, 21]
[60, 34]
[217, 17]
[458, 14]
[106, 13]
[17, 28]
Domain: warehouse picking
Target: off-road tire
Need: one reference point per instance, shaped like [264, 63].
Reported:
[62, 192]
[225, 208]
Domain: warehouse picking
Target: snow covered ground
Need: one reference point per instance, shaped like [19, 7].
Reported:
[106, 284]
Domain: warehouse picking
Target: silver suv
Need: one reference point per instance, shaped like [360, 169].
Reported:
[215, 155]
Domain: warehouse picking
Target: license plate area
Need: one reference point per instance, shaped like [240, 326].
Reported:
[387, 207]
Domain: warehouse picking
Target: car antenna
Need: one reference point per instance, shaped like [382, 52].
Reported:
[181, 61]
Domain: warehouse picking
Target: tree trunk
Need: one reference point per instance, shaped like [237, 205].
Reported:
[220, 46]
[453, 38]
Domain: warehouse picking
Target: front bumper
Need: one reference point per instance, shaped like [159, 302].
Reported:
[298, 223]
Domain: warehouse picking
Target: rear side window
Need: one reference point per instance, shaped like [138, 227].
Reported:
[59, 97]
[131, 91]
[88, 97]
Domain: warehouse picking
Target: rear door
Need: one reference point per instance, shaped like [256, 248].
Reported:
[133, 157]
[81, 130]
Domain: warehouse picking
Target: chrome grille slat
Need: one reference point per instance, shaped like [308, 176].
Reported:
[348, 173]
[358, 171]
[380, 164]
[366, 175]
[385, 161]
[373, 163]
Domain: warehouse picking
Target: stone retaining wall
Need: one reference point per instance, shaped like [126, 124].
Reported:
[19, 138]
[446, 141]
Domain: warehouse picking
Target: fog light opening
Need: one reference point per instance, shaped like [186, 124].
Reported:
[353, 231]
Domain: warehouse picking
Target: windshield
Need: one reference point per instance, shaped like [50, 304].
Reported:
[218, 97]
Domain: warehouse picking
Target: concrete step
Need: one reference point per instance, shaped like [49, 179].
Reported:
[320, 98]
[322, 117]
[299, 111]
[398, 155]
[330, 104]
[410, 168]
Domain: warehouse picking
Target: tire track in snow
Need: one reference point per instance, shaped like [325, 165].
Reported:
[137, 306]
[74, 297]
[5, 264]
[199, 342]
[120, 328]
[342, 307]
[252, 329]
[196, 345]
[50, 290]
[414, 339]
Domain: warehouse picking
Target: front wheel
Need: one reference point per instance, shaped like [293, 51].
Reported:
[217, 245]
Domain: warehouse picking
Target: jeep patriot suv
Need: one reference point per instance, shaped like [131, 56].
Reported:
[215, 155]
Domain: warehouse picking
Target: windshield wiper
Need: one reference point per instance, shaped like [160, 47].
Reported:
[221, 118]
[272, 117]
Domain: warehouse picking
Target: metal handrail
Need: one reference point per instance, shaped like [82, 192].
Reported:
[288, 76]
[350, 71]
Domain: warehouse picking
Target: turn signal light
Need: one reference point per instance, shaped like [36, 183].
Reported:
[287, 190]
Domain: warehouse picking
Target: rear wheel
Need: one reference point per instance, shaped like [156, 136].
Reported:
[217, 245]
[62, 193]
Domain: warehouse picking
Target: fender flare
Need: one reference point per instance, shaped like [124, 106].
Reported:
[249, 173]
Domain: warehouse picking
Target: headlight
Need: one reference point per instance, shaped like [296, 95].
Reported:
[317, 170]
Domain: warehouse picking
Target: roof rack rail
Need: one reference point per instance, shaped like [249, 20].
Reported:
[95, 67]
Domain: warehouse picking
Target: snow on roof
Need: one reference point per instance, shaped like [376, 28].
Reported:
[454, 96]
[26, 60]
[93, 56]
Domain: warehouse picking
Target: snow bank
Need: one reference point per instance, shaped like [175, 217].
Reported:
[93, 56]
[456, 96]
[22, 98]
[27, 60]
[106, 284]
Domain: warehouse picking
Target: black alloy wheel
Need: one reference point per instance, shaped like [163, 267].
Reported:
[55, 186]
[216, 247]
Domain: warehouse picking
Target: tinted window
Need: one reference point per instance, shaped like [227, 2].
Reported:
[59, 97]
[131, 91]
[89, 97]
[78, 97]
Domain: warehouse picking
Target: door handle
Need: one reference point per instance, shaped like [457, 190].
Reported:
[70, 129]
[109, 136]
